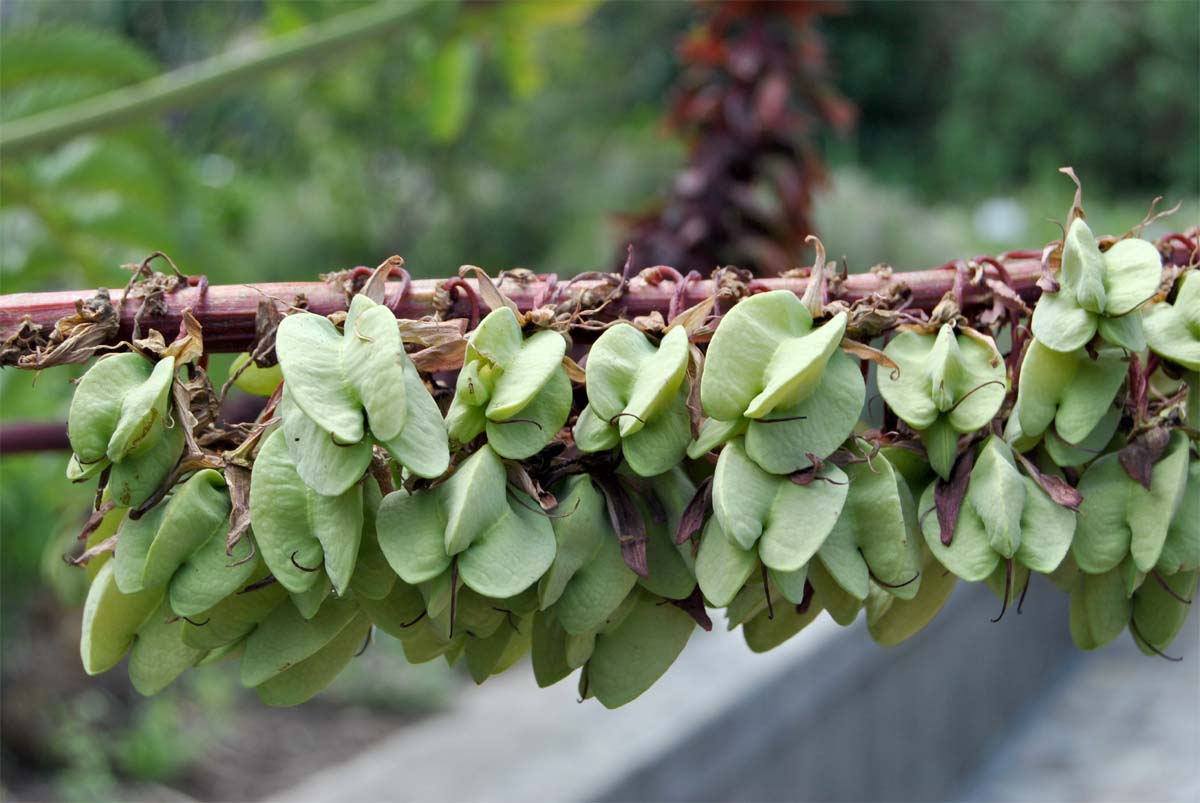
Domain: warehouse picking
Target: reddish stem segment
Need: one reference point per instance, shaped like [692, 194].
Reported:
[227, 312]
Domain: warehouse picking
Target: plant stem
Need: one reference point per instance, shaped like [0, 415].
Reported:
[227, 312]
[229, 71]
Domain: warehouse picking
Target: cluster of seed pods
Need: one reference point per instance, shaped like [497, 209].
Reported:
[592, 524]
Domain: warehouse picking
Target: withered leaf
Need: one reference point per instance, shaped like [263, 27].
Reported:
[627, 521]
[695, 513]
[948, 496]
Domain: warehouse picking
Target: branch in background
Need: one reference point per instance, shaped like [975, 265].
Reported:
[33, 436]
[753, 98]
[222, 73]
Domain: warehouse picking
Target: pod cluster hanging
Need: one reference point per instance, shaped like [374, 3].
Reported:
[592, 519]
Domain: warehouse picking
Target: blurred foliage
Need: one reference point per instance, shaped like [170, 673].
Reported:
[968, 98]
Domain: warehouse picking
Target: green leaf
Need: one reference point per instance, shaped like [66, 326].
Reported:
[411, 531]
[450, 80]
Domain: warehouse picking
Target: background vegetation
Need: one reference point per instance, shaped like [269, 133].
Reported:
[507, 135]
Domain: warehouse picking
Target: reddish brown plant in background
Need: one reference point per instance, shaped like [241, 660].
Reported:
[753, 96]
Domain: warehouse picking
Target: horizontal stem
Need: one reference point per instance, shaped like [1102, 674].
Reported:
[227, 312]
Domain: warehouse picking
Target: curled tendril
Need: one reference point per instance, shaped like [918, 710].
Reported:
[299, 566]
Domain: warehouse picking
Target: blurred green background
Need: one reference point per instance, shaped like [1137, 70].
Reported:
[501, 135]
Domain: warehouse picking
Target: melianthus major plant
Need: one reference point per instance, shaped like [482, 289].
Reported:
[502, 500]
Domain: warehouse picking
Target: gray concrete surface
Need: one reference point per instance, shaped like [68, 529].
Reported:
[827, 716]
[1117, 726]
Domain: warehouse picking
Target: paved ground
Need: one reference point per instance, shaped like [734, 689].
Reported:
[1118, 726]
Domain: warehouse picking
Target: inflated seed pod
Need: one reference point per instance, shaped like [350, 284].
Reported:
[785, 384]
[499, 546]
[1068, 393]
[111, 620]
[309, 677]
[760, 516]
[629, 657]
[159, 654]
[1100, 608]
[588, 578]
[513, 387]
[373, 578]
[874, 543]
[1005, 516]
[772, 625]
[181, 543]
[1119, 518]
[1173, 329]
[947, 384]
[298, 530]
[637, 396]
[1160, 610]
[892, 620]
[1098, 291]
[252, 379]
[119, 419]
[284, 638]
[1181, 549]
[235, 617]
[344, 392]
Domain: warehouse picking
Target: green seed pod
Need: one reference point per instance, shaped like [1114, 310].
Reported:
[1173, 330]
[892, 620]
[842, 606]
[373, 578]
[513, 387]
[333, 381]
[135, 479]
[630, 657]
[300, 681]
[252, 379]
[762, 516]
[111, 620]
[768, 364]
[1005, 516]
[492, 654]
[1181, 549]
[548, 652]
[1098, 291]
[398, 613]
[151, 549]
[1100, 609]
[947, 384]
[142, 409]
[1118, 517]
[298, 529]
[236, 616]
[310, 600]
[501, 547]
[1076, 454]
[159, 654]
[770, 628]
[1070, 390]
[637, 395]
[1159, 612]
[588, 579]
[285, 638]
[876, 536]
[96, 405]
